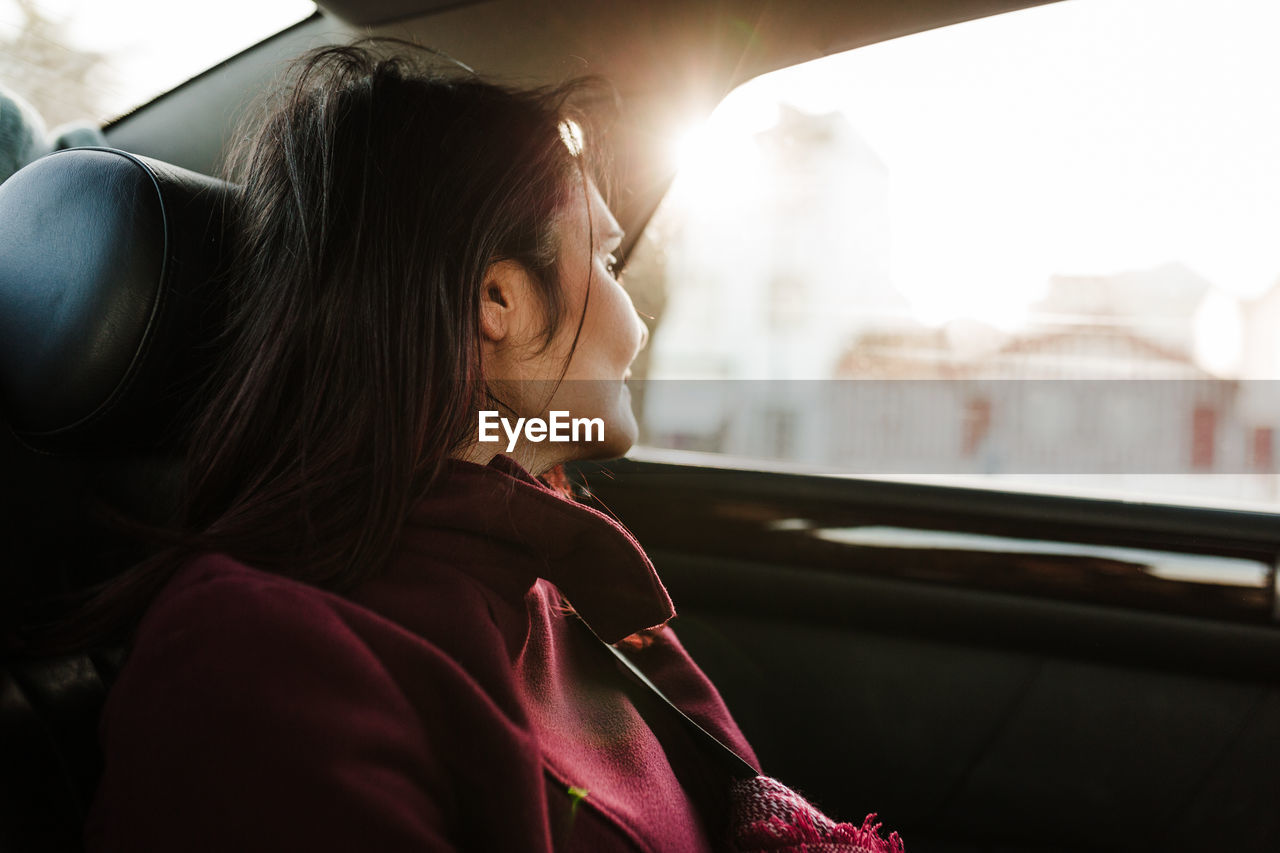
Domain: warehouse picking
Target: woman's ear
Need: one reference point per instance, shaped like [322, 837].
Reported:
[503, 300]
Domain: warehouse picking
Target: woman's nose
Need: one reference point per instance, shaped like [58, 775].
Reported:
[644, 332]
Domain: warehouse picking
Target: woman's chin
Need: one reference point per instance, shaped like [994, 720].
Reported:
[620, 433]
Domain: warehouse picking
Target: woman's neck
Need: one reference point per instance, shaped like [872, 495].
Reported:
[530, 457]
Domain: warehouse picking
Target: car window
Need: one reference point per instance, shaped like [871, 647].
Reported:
[1033, 251]
[85, 60]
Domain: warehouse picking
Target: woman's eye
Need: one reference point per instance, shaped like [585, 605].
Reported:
[613, 265]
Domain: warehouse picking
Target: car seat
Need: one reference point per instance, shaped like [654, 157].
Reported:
[109, 308]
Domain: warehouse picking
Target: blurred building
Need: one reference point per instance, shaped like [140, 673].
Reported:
[801, 263]
[762, 339]
[1106, 374]
[801, 267]
[1261, 345]
[1158, 306]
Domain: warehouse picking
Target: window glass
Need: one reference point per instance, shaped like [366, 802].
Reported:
[89, 60]
[1042, 249]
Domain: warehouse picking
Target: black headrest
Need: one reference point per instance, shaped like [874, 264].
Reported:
[109, 297]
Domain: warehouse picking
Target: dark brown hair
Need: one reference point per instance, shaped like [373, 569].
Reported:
[377, 186]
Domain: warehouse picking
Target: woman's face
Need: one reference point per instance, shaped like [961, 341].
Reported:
[524, 374]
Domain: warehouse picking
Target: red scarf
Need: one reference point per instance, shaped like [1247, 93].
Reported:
[769, 816]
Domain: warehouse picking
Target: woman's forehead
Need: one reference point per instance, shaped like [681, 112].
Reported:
[602, 224]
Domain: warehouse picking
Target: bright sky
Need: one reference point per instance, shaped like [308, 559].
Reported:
[154, 45]
[1088, 136]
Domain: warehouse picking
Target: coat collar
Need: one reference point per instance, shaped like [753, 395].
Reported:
[535, 532]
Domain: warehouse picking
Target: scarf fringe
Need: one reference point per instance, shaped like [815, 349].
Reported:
[769, 816]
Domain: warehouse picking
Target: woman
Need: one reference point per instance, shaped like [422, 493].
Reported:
[380, 632]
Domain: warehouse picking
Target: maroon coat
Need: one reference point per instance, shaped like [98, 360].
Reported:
[451, 704]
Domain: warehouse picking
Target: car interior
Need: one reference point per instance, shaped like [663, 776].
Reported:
[1008, 697]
